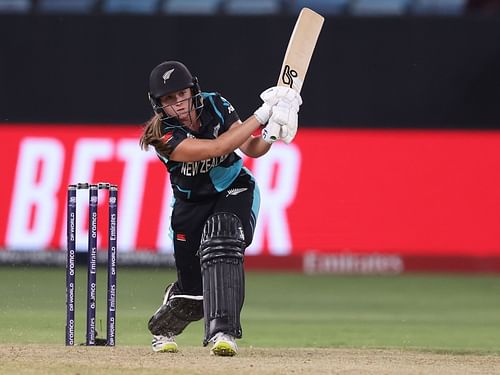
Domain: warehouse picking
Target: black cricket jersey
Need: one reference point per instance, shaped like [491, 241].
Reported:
[199, 180]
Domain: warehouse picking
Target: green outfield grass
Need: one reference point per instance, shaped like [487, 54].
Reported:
[429, 312]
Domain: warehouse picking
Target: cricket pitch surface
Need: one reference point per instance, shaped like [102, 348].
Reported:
[55, 359]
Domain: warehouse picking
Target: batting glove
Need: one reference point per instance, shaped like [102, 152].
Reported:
[271, 97]
[272, 132]
[286, 117]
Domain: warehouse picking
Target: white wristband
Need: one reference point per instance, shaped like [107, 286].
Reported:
[263, 113]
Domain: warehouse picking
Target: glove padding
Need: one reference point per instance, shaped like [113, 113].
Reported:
[272, 132]
[275, 94]
[271, 97]
[263, 113]
[285, 114]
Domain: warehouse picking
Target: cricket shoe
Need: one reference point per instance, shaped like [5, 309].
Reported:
[164, 344]
[224, 345]
[157, 321]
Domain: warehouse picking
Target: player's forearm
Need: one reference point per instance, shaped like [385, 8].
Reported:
[236, 136]
[192, 149]
[255, 147]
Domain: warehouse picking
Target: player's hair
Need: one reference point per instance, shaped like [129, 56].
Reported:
[151, 136]
[151, 131]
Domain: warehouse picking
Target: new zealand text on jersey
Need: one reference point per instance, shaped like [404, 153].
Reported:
[192, 168]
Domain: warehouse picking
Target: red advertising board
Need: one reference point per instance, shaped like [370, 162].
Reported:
[332, 191]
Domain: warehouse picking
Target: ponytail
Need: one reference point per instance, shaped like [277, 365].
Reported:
[151, 133]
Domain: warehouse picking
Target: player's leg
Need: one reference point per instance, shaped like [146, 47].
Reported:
[225, 236]
[221, 257]
[172, 317]
[183, 300]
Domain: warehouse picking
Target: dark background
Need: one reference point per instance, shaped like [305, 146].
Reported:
[439, 72]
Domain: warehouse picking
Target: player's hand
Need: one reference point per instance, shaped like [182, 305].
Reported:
[285, 114]
[272, 132]
[271, 97]
[275, 94]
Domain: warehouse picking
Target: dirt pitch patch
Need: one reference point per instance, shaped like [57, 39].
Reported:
[52, 359]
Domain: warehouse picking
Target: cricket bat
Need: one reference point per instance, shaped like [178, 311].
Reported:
[300, 49]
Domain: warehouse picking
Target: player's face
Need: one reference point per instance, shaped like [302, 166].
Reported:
[178, 104]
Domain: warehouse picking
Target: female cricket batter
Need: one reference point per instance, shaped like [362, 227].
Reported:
[216, 199]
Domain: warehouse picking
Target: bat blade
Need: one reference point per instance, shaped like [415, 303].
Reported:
[300, 49]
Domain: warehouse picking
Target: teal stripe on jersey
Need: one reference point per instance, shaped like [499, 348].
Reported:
[170, 229]
[222, 177]
[186, 191]
[163, 158]
[256, 195]
[211, 98]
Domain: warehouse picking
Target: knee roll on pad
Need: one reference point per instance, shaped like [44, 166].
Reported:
[221, 257]
[222, 236]
[176, 313]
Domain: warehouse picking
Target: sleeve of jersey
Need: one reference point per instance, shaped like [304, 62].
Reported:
[170, 141]
[229, 113]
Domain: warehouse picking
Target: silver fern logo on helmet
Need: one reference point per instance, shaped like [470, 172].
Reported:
[167, 75]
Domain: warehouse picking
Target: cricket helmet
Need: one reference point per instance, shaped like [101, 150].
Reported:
[169, 77]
